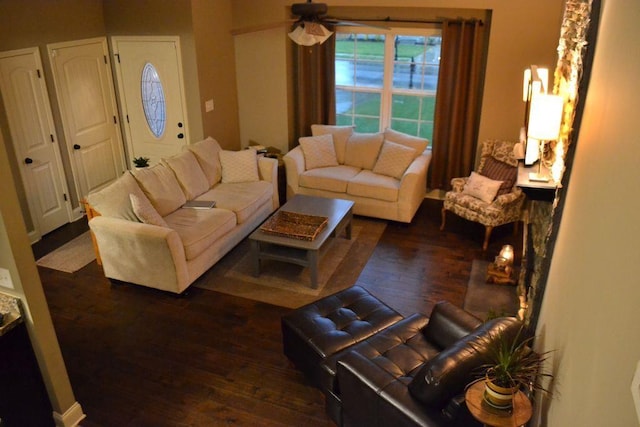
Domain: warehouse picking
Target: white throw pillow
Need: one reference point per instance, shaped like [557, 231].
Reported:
[145, 211]
[318, 151]
[394, 159]
[189, 173]
[239, 166]
[340, 136]
[481, 187]
[363, 149]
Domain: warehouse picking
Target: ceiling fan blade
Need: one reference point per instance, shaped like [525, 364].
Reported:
[342, 22]
[261, 27]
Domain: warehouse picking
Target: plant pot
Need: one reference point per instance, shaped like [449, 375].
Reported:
[497, 396]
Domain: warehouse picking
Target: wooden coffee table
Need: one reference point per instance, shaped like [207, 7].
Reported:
[302, 252]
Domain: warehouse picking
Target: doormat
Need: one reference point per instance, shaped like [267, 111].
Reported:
[71, 256]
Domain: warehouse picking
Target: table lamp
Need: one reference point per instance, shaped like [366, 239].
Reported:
[545, 118]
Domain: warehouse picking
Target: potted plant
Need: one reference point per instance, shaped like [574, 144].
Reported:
[512, 365]
[141, 162]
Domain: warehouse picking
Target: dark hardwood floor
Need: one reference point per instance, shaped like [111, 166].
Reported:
[140, 357]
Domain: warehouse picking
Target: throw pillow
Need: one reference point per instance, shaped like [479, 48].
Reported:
[239, 166]
[206, 151]
[499, 171]
[394, 159]
[161, 187]
[417, 143]
[503, 151]
[189, 173]
[318, 151]
[481, 187]
[340, 136]
[145, 211]
[445, 375]
[363, 149]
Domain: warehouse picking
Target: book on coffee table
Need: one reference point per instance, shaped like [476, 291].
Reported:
[199, 204]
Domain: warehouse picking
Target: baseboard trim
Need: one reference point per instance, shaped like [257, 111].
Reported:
[71, 417]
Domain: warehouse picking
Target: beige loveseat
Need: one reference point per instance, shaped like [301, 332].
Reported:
[143, 233]
[384, 173]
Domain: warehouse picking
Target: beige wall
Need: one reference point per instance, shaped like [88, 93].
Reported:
[522, 33]
[17, 257]
[216, 70]
[590, 311]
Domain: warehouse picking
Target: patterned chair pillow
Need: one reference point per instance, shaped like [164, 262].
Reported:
[499, 171]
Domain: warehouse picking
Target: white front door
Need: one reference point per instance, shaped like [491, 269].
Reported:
[151, 90]
[84, 84]
[26, 102]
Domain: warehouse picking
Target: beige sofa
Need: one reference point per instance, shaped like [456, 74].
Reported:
[384, 173]
[145, 236]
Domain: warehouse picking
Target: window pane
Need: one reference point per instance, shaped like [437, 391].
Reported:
[344, 101]
[413, 114]
[428, 108]
[367, 104]
[406, 107]
[153, 102]
[366, 124]
[404, 126]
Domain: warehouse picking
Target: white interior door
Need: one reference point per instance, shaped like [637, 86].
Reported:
[151, 90]
[34, 138]
[83, 80]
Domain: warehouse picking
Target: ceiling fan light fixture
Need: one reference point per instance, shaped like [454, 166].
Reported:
[309, 33]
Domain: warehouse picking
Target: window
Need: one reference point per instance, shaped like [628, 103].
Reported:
[153, 102]
[387, 79]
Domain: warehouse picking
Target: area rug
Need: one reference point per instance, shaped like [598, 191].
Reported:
[487, 299]
[288, 285]
[71, 256]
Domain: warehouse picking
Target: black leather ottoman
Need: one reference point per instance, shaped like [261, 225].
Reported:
[315, 331]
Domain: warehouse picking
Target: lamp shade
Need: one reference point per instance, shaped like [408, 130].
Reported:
[545, 117]
[309, 33]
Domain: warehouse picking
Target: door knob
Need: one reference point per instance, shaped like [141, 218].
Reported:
[76, 147]
[179, 124]
[180, 135]
[28, 160]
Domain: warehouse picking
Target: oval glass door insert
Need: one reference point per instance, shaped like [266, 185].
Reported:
[153, 102]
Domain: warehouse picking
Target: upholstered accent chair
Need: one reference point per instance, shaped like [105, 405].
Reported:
[489, 195]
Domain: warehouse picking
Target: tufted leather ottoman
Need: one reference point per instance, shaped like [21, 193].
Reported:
[315, 331]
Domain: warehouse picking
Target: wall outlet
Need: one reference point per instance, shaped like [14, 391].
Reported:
[5, 278]
[635, 389]
[208, 105]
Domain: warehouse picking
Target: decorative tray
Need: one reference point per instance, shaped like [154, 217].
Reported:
[294, 225]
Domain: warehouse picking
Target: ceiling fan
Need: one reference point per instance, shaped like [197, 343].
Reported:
[308, 27]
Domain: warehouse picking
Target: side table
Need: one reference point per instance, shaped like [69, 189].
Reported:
[492, 417]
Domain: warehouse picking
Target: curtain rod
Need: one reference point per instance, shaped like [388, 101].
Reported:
[411, 21]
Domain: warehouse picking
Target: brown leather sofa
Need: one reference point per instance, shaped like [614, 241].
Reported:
[412, 372]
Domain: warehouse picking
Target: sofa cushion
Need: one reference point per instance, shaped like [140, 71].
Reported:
[207, 152]
[318, 151]
[394, 159]
[481, 187]
[160, 185]
[190, 176]
[145, 211]
[362, 150]
[374, 186]
[446, 375]
[340, 136]
[200, 228]
[500, 171]
[415, 142]
[334, 178]
[113, 200]
[239, 166]
[243, 199]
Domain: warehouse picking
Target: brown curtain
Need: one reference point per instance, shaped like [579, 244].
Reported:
[457, 101]
[315, 86]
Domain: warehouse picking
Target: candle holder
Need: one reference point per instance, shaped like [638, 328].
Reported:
[500, 271]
